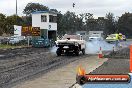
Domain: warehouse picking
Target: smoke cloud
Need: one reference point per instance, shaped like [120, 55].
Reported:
[53, 49]
[93, 47]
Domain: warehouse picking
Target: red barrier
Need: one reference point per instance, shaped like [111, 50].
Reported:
[130, 58]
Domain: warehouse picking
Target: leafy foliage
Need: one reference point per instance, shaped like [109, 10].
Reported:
[110, 24]
[125, 24]
[32, 7]
[2, 23]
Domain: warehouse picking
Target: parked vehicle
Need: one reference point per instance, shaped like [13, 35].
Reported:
[95, 37]
[41, 42]
[16, 39]
[5, 40]
[115, 37]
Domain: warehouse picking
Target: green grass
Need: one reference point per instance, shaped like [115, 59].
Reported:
[2, 46]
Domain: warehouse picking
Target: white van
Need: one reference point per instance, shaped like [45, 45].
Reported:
[95, 37]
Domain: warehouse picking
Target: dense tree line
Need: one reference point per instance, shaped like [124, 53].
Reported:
[71, 22]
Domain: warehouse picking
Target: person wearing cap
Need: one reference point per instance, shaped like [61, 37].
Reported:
[120, 36]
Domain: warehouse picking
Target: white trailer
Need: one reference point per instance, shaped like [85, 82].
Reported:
[95, 35]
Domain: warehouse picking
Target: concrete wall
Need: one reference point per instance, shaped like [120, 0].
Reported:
[36, 21]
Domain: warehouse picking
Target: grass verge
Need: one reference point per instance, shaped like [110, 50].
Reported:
[4, 46]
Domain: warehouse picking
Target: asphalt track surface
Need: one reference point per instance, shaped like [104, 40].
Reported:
[118, 63]
[17, 65]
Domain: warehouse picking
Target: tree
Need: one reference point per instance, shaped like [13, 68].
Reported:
[67, 23]
[70, 22]
[11, 21]
[2, 23]
[101, 24]
[32, 7]
[27, 21]
[79, 24]
[125, 24]
[110, 24]
[90, 22]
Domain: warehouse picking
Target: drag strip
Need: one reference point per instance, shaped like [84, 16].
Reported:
[24, 68]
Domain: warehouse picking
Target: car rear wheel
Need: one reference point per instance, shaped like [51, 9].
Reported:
[83, 51]
[77, 52]
[58, 52]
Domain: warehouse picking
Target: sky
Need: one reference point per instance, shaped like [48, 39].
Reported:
[97, 7]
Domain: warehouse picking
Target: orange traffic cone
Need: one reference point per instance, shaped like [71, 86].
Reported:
[100, 55]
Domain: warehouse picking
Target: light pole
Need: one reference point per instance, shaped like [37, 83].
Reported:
[16, 7]
[16, 12]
